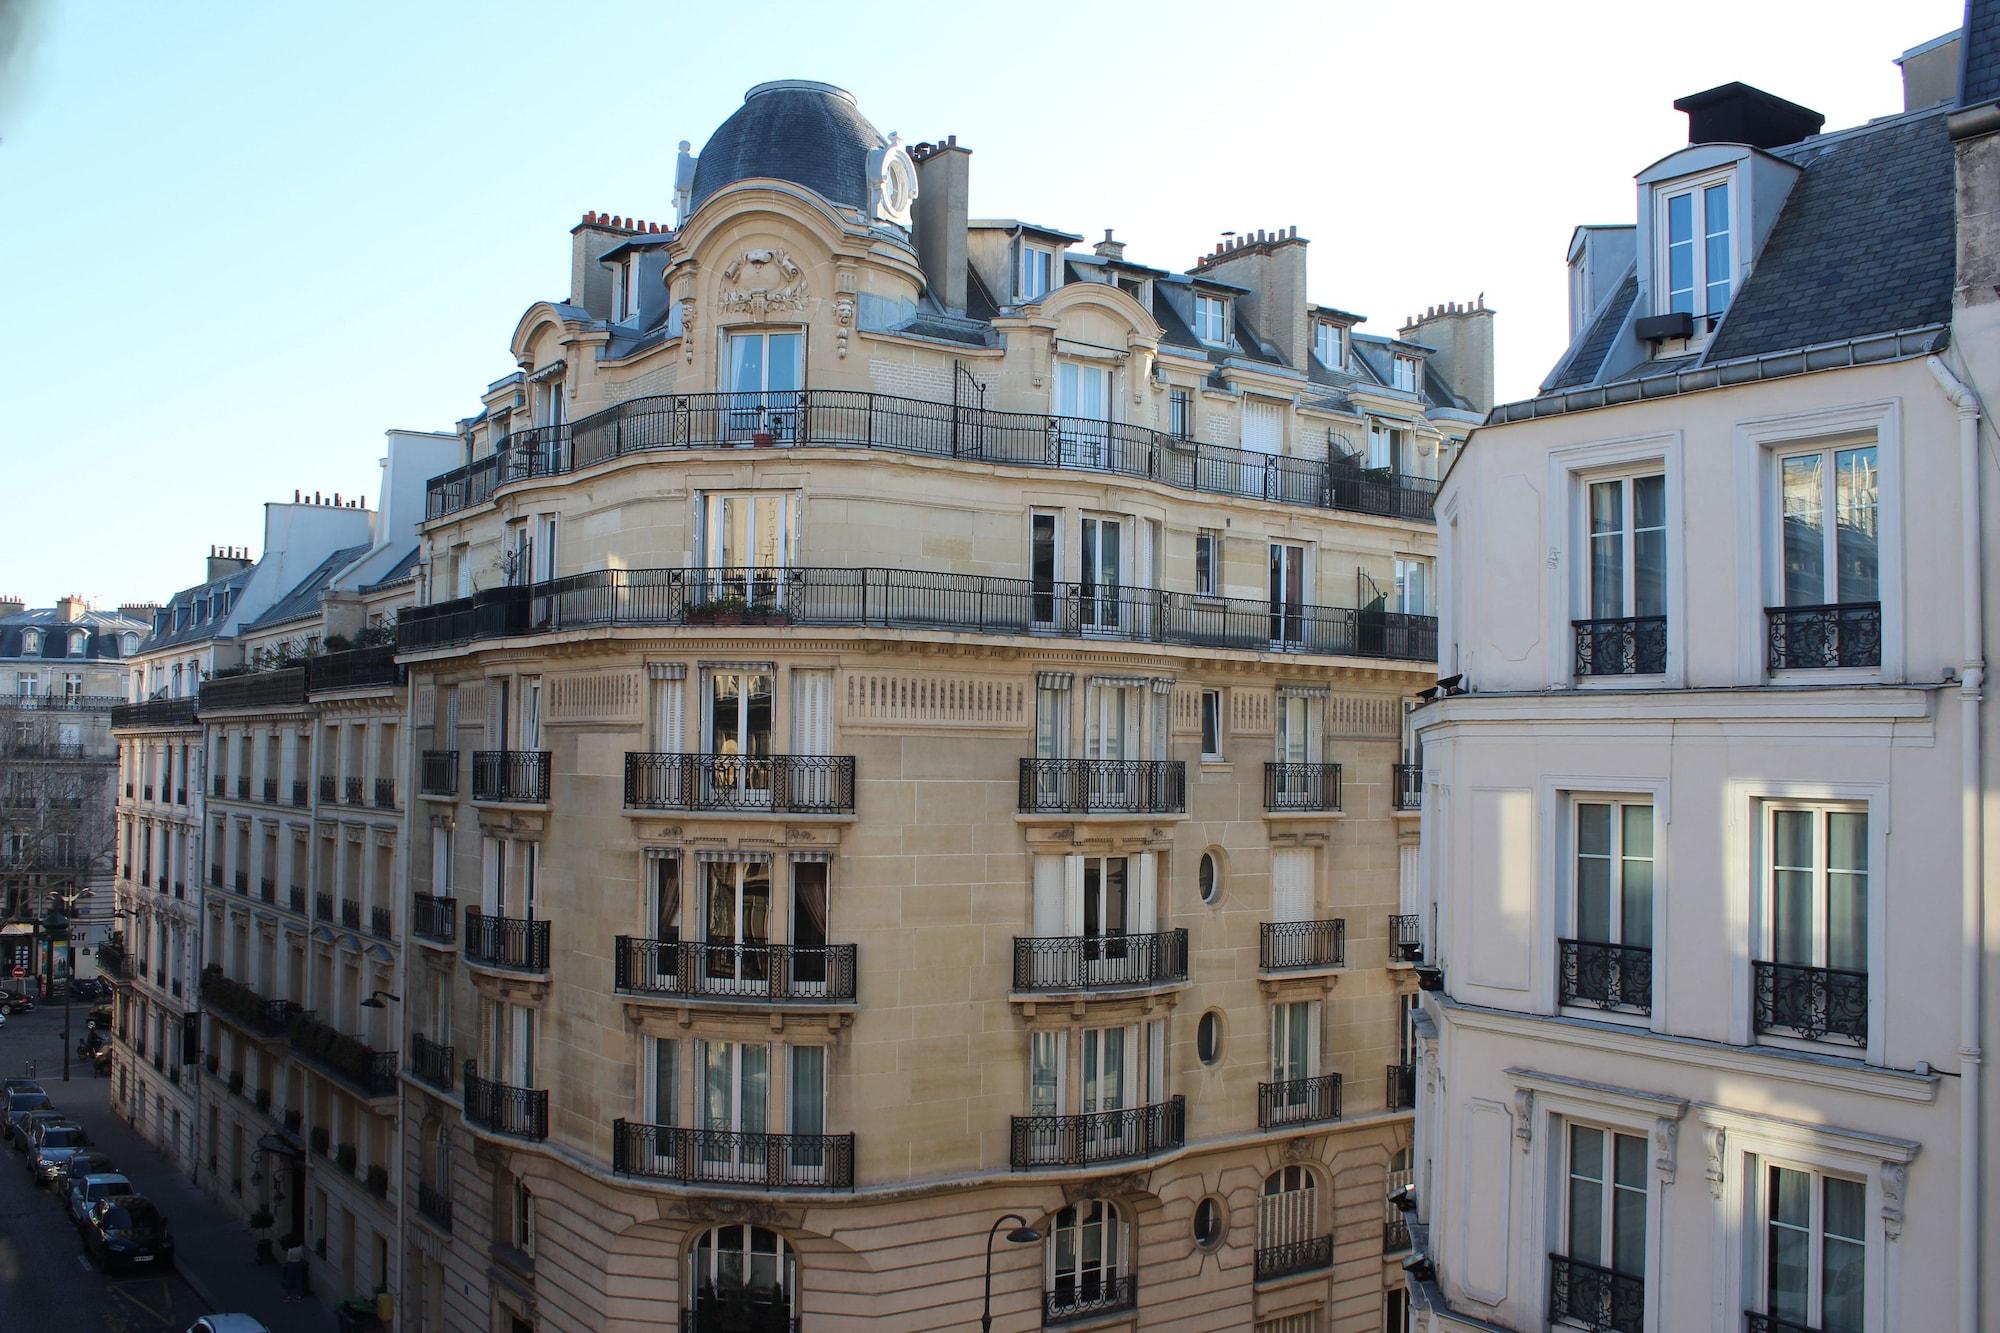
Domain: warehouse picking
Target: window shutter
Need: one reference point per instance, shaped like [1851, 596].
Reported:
[1072, 896]
[1146, 888]
[1291, 884]
[1050, 913]
[812, 711]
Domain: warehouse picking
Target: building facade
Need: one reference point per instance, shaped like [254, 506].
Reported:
[1704, 850]
[908, 724]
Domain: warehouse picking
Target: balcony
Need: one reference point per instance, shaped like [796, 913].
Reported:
[1402, 1094]
[1302, 787]
[296, 898]
[1395, 1235]
[1406, 939]
[1298, 1101]
[1070, 1302]
[1407, 786]
[434, 1205]
[521, 945]
[243, 1006]
[1633, 646]
[780, 783]
[350, 791]
[270, 791]
[242, 786]
[323, 906]
[381, 923]
[241, 881]
[906, 599]
[431, 1061]
[328, 790]
[773, 973]
[350, 914]
[1065, 963]
[1809, 1003]
[438, 774]
[1103, 786]
[511, 776]
[739, 1310]
[724, 1157]
[1285, 946]
[1293, 1257]
[385, 793]
[1098, 1136]
[1823, 638]
[219, 785]
[370, 1072]
[1608, 976]
[267, 889]
[254, 689]
[521, 1112]
[299, 793]
[1597, 1298]
[434, 918]
[355, 668]
[153, 713]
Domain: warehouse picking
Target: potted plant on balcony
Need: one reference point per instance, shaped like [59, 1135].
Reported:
[718, 611]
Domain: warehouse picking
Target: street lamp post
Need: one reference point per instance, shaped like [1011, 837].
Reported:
[1022, 1234]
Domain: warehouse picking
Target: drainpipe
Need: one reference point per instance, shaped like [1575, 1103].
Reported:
[1972, 849]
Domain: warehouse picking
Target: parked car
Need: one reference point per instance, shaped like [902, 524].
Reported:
[11, 1086]
[127, 1229]
[25, 1127]
[86, 1191]
[20, 1104]
[54, 1144]
[228, 1323]
[11, 1003]
[90, 988]
[89, 1162]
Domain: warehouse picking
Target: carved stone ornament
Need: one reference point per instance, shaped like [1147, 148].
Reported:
[1666, 1148]
[1895, 1179]
[688, 321]
[1714, 1138]
[717, 1210]
[770, 281]
[1108, 1187]
[1524, 1116]
[892, 182]
[843, 318]
[1299, 1150]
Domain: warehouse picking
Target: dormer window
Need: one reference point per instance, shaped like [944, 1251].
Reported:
[625, 291]
[1038, 268]
[79, 643]
[31, 641]
[1696, 256]
[128, 644]
[1211, 319]
[1405, 374]
[1327, 345]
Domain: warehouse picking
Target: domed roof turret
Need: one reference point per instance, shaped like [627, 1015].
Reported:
[811, 134]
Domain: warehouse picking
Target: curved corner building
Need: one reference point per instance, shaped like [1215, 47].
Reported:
[911, 714]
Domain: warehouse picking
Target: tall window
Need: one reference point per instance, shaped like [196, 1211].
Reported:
[1386, 448]
[1815, 983]
[1605, 1211]
[739, 1271]
[1044, 565]
[1211, 319]
[1207, 562]
[1180, 414]
[1086, 1259]
[1038, 266]
[1413, 585]
[1628, 547]
[1829, 537]
[736, 924]
[1698, 252]
[1326, 345]
[1288, 1209]
[1608, 960]
[1288, 592]
[1294, 1057]
[1405, 376]
[747, 542]
[1211, 725]
[739, 725]
[1815, 1251]
[1103, 568]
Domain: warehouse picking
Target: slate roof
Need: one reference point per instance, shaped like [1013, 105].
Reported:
[104, 628]
[811, 134]
[304, 599]
[1581, 364]
[1979, 56]
[400, 572]
[201, 624]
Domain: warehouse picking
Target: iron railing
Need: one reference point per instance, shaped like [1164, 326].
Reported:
[1810, 1003]
[729, 1157]
[1302, 786]
[381, 923]
[1632, 646]
[431, 1061]
[1098, 1136]
[1298, 1256]
[1298, 1101]
[511, 775]
[1770, 1323]
[1282, 945]
[1409, 786]
[1609, 976]
[350, 913]
[368, 1071]
[267, 889]
[763, 972]
[1070, 1301]
[433, 917]
[739, 1310]
[439, 773]
[521, 1112]
[1103, 786]
[297, 898]
[1099, 962]
[1847, 634]
[385, 793]
[1597, 1298]
[154, 713]
[356, 668]
[781, 783]
[256, 689]
[328, 788]
[506, 941]
[435, 1204]
[240, 1004]
[270, 791]
[902, 599]
[1406, 939]
[1395, 1235]
[350, 791]
[1402, 1095]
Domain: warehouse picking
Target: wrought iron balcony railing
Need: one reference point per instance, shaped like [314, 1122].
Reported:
[431, 1061]
[355, 668]
[435, 1204]
[1597, 1298]
[781, 783]
[350, 791]
[1395, 1235]
[1298, 1101]
[270, 791]
[350, 913]
[506, 941]
[1098, 1136]
[370, 1072]
[1609, 976]
[299, 793]
[434, 918]
[1100, 962]
[242, 786]
[267, 889]
[1848, 634]
[1402, 1088]
[1284, 945]
[1302, 787]
[1298, 1256]
[296, 898]
[1632, 646]
[737, 1310]
[521, 1112]
[385, 793]
[241, 881]
[1103, 786]
[755, 972]
[439, 773]
[242, 1005]
[1070, 1301]
[328, 790]
[381, 923]
[1408, 788]
[254, 689]
[1770, 1323]
[153, 713]
[1406, 940]
[726, 1157]
[1810, 1003]
[518, 776]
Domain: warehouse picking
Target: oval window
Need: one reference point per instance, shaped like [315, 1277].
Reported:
[1208, 1037]
[1208, 1223]
[1209, 877]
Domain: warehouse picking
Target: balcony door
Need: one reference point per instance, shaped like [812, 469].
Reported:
[1294, 1052]
[766, 369]
[1103, 570]
[1604, 1220]
[1263, 439]
[1083, 409]
[1044, 568]
[1627, 570]
[1614, 904]
[1106, 905]
[735, 1094]
[1109, 1069]
[1288, 593]
[809, 935]
[805, 1092]
[738, 737]
[809, 785]
[747, 541]
[1111, 734]
[1296, 785]
[736, 926]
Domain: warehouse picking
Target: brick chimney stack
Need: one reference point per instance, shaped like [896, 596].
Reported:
[71, 608]
[226, 560]
[1272, 264]
[1461, 336]
[139, 610]
[12, 606]
[590, 240]
[939, 218]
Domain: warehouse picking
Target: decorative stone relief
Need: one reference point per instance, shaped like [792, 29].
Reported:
[843, 319]
[770, 266]
[689, 320]
[1666, 1144]
[1714, 1138]
[1299, 1150]
[1132, 1182]
[1524, 1117]
[1895, 1179]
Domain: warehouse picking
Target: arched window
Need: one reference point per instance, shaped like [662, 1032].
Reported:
[1288, 1232]
[79, 643]
[741, 1279]
[1088, 1266]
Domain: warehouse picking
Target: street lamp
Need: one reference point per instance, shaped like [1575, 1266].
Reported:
[1022, 1234]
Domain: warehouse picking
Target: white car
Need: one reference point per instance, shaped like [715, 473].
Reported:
[227, 1323]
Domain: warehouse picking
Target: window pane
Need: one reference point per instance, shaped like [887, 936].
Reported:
[1715, 260]
[1628, 1206]
[1847, 891]
[1680, 253]
[1792, 886]
[1789, 1238]
[1649, 546]
[808, 1090]
[1804, 533]
[1043, 1069]
[1843, 1252]
[1593, 871]
[1855, 485]
[1586, 1194]
[1607, 549]
[1635, 911]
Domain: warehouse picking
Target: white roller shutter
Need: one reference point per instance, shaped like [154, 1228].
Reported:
[1291, 884]
[1145, 879]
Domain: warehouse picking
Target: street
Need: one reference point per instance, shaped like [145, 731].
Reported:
[46, 1280]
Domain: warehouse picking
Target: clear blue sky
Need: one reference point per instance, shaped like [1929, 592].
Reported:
[239, 241]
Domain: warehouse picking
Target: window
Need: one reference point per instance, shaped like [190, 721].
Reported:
[1814, 1249]
[1386, 449]
[522, 1229]
[1211, 726]
[1207, 561]
[1208, 1037]
[1180, 414]
[737, 1268]
[1609, 961]
[1208, 877]
[1044, 564]
[1038, 264]
[1816, 926]
[545, 543]
[1209, 1223]
[1211, 319]
[1083, 404]
[1604, 1224]
[1829, 552]
[747, 542]
[1405, 373]
[31, 641]
[1697, 254]
[1327, 345]
[1086, 1261]
[1102, 572]
[1288, 592]
[1413, 585]
[1288, 1221]
[1626, 573]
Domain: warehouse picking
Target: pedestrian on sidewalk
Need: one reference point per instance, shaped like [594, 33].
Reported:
[295, 1267]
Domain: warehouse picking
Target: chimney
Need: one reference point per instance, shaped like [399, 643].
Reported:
[71, 608]
[12, 606]
[225, 560]
[139, 610]
[944, 200]
[1272, 264]
[1930, 72]
[1108, 248]
[1461, 338]
[1738, 113]
[590, 240]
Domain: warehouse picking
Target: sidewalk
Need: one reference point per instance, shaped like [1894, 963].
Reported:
[213, 1250]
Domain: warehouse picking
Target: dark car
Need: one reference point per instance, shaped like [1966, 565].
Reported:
[90, 988]
[89, 1162]
[19, 1103]
[55, 1143]
[8, 1087]
[25, 1125]
[11, 1003]
[86, 1192]
[126, 1229]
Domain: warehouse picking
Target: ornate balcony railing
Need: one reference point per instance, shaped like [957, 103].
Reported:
[757, 972]
[1069, 1302]
[356, 668]
[1609, 976]
[520, 776]
[242, 1005]
[506, 941]
[1103, 786]
[241, 881]
[1810, 1003]
[350, 913]
[242, 786]
[353, 1061]
[781, 783]
[1298, 1101]
[431, 1061]
[1402, 1087]
[1098, 1136]
[1298, 1256]
[1395, 1235]
[1770, 1323]
[154, 713]
[435, 1204]
[1099, 962]
[381, 923]
[1406, 939]
[438, 775]
[296, 898]
[1282, 945]
[740, 1310]
[522, 1112]
[299, 793]
[1632, 646]
[725, 1157]
[256, 689]
[350, 791]
[328, 790]
[1597, 1298]
[267, 889]
[434, 918]
[1302, 787]
[914, 599]
[385, 793]
[1408, 786]
[1848, 634]
[270, 791]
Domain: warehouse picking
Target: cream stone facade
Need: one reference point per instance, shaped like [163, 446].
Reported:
[908, 720]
